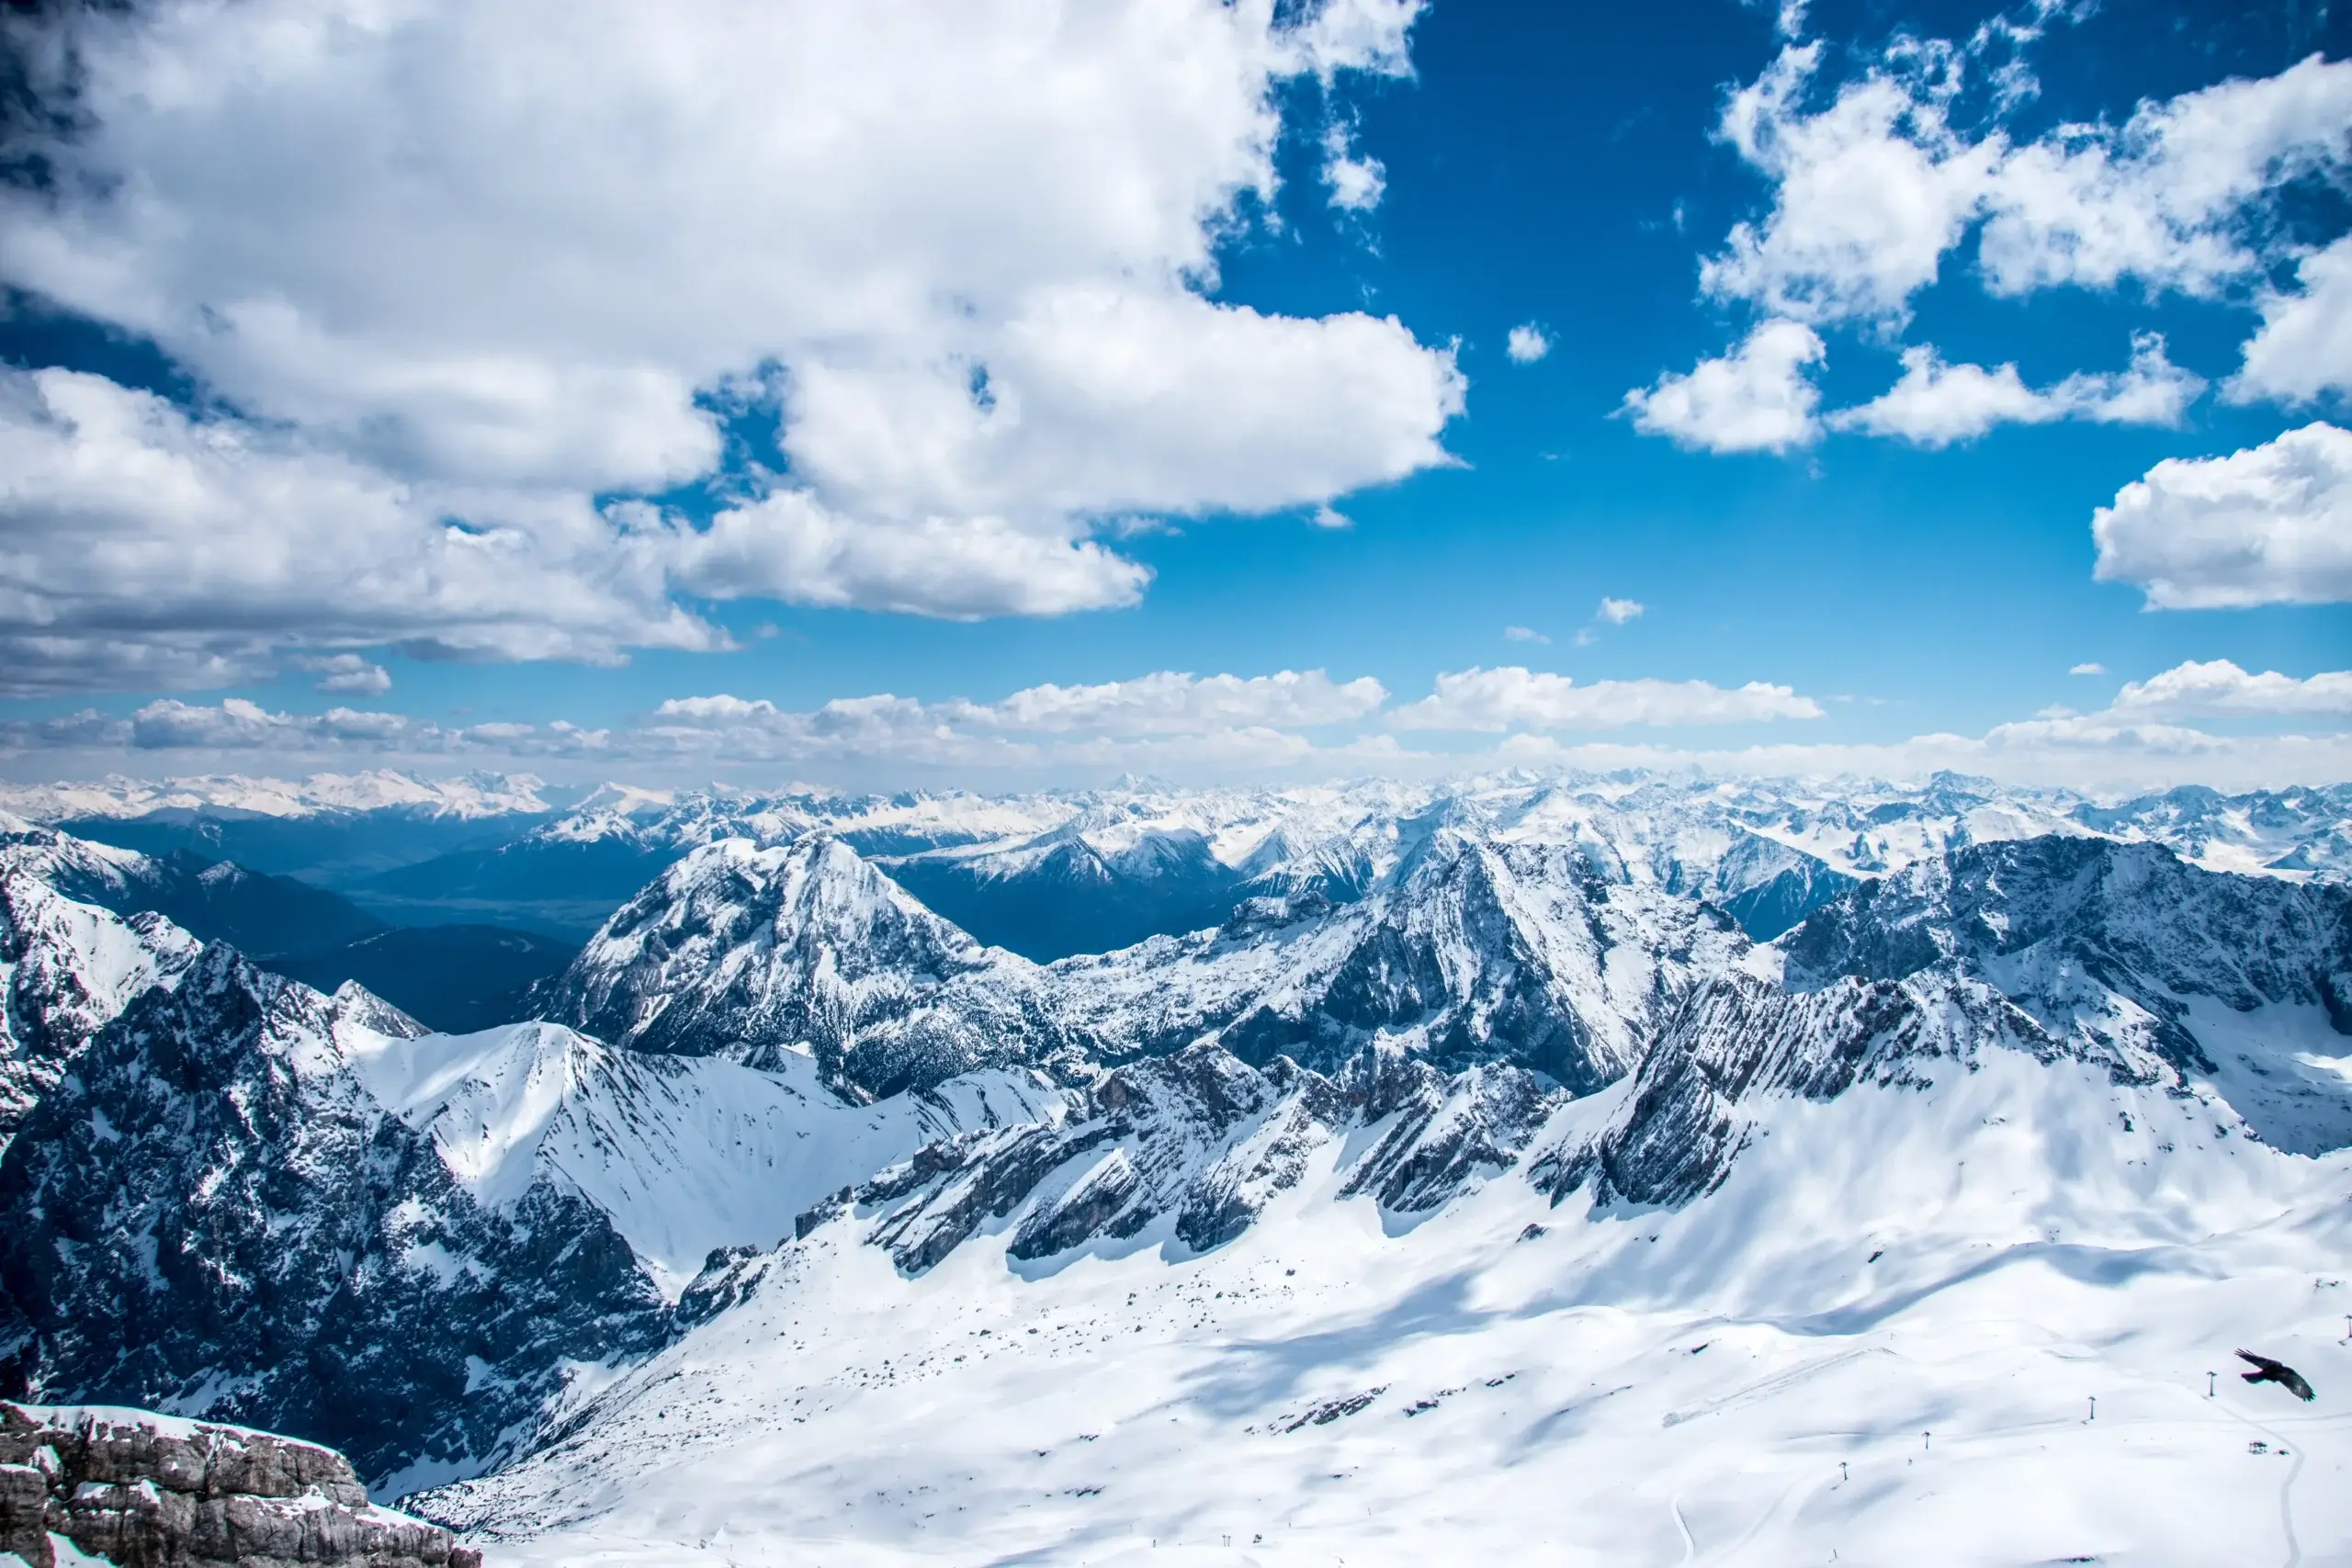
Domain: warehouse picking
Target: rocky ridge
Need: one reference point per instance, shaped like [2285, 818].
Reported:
[136, 1488]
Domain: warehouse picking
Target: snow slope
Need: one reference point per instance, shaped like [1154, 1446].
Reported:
[1879, 1339]
[683, 1155]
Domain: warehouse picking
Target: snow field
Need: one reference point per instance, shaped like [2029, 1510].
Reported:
[1640, 1387]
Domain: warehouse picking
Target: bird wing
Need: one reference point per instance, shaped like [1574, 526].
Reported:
[2273, 1368]
[2296, 1386]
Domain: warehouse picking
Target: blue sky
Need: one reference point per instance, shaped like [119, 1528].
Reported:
[178, 536]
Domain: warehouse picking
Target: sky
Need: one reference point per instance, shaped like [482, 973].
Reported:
[1023, 392]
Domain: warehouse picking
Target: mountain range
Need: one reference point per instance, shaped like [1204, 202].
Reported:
[1485, 1151]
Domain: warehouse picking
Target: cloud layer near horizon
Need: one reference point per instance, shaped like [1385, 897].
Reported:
[1289, 724]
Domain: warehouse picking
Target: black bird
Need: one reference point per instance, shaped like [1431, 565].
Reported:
[2286, 1377]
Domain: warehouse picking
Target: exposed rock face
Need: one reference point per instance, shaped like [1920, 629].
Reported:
[2132, 917]
[1194, 1146]
[1740, 1039]
[1479, 952]
[213, 1214]
[151, 1492]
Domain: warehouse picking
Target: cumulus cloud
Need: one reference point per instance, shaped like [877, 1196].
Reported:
[1523, 634]
[1869, 192]
[138, 541]
[1873, 188]
[1936, 403]
[956, 268]
[2303, 349]
[1232, 727]
[1756, 398]
[1526, 344]
[2269, 525]
[1875, 184]
[2219, 688]
[1516, 698]
[1617, 612]
[347, 673]
[2088, 668]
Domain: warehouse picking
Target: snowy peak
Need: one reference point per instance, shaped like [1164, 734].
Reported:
[67, 969]
[1476, 950]
[2221, 991]
[472, 795]
[2134, 916]
[684, 1156]
[759, 953]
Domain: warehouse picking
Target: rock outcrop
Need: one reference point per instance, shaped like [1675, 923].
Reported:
[156, 1492]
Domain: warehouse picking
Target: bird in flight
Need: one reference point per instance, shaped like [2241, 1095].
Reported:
[2267, 1370]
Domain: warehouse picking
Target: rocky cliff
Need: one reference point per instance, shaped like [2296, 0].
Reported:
[131, 1487]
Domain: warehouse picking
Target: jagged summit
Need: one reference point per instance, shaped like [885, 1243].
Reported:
[758, 953]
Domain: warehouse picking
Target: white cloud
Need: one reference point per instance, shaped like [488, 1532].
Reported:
[1869, 192]
[1516, 698]
[1756, 398]
[475, 262]
[1227, 727]
[1331, 517]
[1217, 723]
[2303, 348]
[1526, 344]
[2153, 390]
[1524, 634]
[2269, 525]
[1170, 702]
[347, 673]
[1356, 183]
[790, 546]
[1617, 612]
[136, 542]
[2088, 668]
[2219, 688]
[1937, 404]
[2164, 198]
[1872, 190]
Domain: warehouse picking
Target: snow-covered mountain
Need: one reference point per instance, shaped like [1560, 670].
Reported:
[1476, 1183]
[247, 1200]
[67, 969]
[757, 955]
[1962, 1208]
[1475, 951]
[1052, 873]
[473, 794]
[216, 900]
